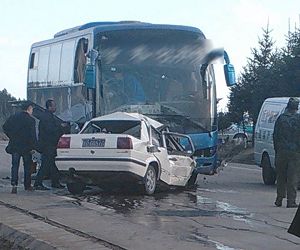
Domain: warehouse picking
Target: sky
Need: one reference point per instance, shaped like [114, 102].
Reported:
[232, 24]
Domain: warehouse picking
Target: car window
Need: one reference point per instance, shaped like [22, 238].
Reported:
[173, 145]
[156, 137]
[132, 128]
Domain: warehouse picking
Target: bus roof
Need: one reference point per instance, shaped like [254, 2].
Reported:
[97, 27]
[123, 25]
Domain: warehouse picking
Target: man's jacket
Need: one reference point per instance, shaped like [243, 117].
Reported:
[21, 131]
[50, 130]
[286, 132]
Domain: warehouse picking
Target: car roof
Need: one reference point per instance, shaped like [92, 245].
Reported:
[124, 116]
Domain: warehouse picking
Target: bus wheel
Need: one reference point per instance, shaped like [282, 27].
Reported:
[150, 180]
[76, 187]
[268, 173]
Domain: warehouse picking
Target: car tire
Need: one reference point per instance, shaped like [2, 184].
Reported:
[193, 179]
[240, 139]
[268, 173]
[150, 180]
[76, 187]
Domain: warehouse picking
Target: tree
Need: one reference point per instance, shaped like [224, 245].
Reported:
[224, 121]
[255, 83]
[5, 107]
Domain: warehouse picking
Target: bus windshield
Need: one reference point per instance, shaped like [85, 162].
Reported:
[164, 69]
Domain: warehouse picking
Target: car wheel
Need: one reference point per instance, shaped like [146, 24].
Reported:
[150, 180]
[192, 180]
[76, 187]
[268, 173]
[240, 139]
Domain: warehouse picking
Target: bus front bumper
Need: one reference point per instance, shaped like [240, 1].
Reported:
[206, 165]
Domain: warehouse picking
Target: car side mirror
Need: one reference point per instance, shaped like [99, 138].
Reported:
[152, 149]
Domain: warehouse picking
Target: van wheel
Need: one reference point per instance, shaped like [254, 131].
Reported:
[150, 180]
[268, 173]
[76, 187]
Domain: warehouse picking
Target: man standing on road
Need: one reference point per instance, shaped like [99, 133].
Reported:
[50, 130]
[20, 129]
[287, 153]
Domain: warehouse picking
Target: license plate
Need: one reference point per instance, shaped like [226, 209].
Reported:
[93, 143]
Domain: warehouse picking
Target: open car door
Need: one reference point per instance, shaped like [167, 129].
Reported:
[174, 153]
[180, 149]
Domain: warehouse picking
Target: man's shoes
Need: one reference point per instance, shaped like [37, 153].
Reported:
[41, 187]
[30, 188]
[291, 204]
[58, 185]
[14, 190]
[278, 202]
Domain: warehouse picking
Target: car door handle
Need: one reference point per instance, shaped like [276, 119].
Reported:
[92, 152]
[173, 159]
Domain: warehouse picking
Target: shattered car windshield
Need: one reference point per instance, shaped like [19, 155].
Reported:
[132, 128]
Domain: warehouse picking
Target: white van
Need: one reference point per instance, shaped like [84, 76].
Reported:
[264, 154]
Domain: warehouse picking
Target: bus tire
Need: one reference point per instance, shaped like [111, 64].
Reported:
[268, 173]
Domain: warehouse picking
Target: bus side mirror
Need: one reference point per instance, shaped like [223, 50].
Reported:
[229, 75]
[90, 76]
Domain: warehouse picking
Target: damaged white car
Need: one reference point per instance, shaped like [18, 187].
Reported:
[124, 147]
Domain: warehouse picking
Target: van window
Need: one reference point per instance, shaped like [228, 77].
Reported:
[269, 115]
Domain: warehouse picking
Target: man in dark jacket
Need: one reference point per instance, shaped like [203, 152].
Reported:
[50, 130]
[287, 153]
[20, 129]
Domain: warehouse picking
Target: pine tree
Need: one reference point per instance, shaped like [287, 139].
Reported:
[5, 107]
[254, 84]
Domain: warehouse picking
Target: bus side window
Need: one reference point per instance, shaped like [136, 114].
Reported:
[34, 59]
[31, 64]
[80, 60]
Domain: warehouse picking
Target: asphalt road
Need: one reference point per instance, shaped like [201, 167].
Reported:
[230, 210]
